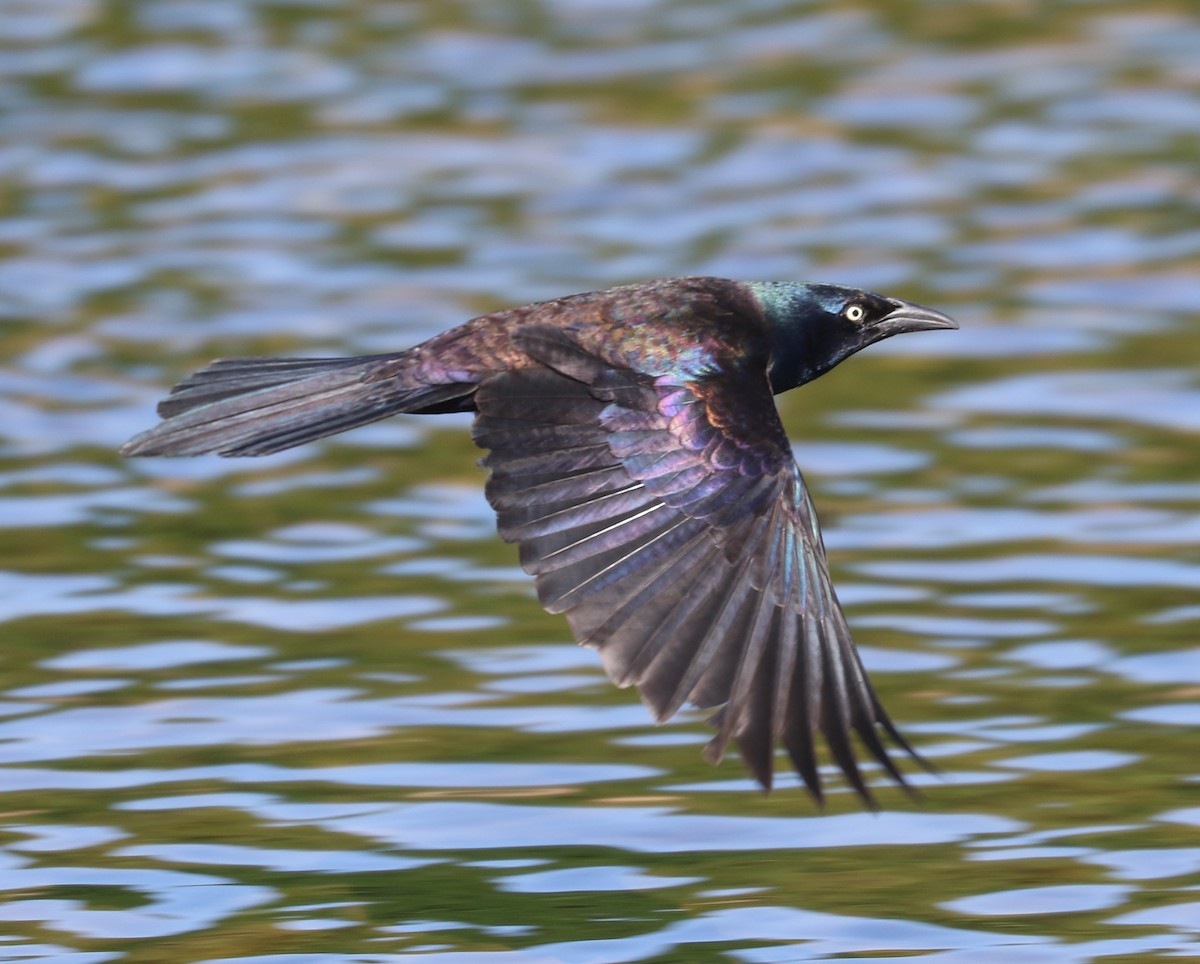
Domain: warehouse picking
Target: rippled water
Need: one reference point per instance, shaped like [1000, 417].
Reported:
[305, 709]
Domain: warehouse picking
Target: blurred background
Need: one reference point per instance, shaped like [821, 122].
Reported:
[306, 709]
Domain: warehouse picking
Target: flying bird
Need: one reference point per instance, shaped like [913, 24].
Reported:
[637, 459]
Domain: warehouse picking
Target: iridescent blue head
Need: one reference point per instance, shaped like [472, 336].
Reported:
[818, 325]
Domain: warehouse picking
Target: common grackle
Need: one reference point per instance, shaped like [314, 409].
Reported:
[638, 460]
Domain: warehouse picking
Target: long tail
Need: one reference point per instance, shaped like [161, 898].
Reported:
[255, 406]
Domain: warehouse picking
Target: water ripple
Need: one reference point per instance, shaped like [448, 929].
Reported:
[216, 664]
[470, 826]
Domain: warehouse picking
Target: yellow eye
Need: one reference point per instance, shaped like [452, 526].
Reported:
[854, 313]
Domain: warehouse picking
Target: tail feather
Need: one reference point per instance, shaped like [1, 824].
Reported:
[256, 406]
[227, 377]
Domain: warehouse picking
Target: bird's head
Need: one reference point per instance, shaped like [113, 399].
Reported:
[818, 325]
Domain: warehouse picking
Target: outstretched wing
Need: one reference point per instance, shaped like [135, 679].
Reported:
[668, 521]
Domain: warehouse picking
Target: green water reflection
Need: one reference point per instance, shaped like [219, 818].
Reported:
[307, 709]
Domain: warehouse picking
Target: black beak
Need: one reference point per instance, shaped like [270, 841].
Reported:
[909, 317]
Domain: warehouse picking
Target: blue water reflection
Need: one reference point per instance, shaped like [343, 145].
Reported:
[306, 709]
[464, 825]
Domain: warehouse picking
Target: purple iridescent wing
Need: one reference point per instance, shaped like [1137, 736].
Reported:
[668, 521]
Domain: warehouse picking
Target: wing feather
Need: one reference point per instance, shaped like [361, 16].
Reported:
[669, 522]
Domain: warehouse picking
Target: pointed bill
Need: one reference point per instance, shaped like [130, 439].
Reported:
[912, 317]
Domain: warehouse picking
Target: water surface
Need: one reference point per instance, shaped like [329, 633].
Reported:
[305, 708]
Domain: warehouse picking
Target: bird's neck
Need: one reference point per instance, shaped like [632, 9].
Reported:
[798, 352]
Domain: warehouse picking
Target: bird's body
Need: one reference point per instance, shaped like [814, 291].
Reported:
[638, 459]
